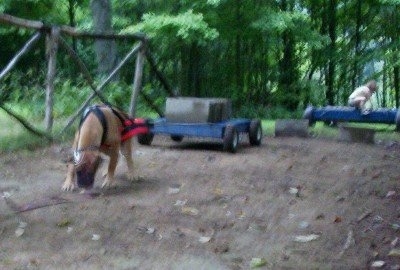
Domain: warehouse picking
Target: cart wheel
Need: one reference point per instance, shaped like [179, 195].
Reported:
[176, 138]
[397, 120]
[231, 139]
[255, 132]
[145, 139]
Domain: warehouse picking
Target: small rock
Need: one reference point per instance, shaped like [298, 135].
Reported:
[95, 237]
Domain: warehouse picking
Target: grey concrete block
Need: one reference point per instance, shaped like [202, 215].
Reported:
[197, 110]
[291, 127]
[356, 134]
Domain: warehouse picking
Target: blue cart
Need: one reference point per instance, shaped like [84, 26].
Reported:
[228, 131]
[350, 114]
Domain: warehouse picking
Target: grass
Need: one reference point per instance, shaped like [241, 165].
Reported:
[13, 136]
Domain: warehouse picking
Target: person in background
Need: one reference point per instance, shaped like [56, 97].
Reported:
[361, 95]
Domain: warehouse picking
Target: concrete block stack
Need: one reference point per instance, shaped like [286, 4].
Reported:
[198, 110]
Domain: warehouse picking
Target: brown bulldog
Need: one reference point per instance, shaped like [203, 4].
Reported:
[101, 130]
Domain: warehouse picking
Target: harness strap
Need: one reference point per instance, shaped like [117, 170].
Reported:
[122, 119]
[100, 115]
[130, 127]
[133, 127]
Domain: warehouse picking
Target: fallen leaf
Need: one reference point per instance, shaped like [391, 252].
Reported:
[172, 190]
[378, 264]
[306, 238]
[376, 175]
[337, 219]
[190, 211]
[364, 215]
[257, 262]
[150, 230]
[22, 224]
[63, 223]
[390, 193]
[394, 242]
[218, 191]
[395, 226]
[19, 232]
[204, 239]
[293, 190]
[394, 253]
[180, 203]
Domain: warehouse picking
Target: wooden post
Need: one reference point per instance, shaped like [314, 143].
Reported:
[52, 47]
[101, 86]
[24, 50]
[137, 81]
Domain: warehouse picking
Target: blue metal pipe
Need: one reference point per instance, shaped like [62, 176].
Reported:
[350, 114]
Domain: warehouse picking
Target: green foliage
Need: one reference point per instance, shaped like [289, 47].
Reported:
[187, 27]
[272, 58]
[267, 112]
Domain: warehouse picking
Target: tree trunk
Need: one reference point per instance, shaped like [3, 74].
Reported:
[330, 92]
[357, 45]
[51, 47]
[71, 15]
[106, 50]
[194, 70]
[287, 68]
[384, 86]
[238, 46]
[396, 82]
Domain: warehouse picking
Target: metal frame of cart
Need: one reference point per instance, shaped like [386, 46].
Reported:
[228, 131]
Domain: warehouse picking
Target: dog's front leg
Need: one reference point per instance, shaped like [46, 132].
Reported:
[69, 180]
[109, 181]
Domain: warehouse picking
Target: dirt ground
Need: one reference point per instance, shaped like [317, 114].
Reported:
[292, 203]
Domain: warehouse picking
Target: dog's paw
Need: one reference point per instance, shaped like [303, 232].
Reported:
[68, 186]
[131, 176]
[108, 183]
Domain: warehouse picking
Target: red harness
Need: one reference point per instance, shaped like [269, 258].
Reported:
[130, 127]
[133, 127]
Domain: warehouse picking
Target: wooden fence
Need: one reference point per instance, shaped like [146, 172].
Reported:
[54, 40]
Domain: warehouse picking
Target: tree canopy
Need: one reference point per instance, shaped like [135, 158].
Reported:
[262, 54]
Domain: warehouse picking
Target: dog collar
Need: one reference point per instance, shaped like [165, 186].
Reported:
[87, 148]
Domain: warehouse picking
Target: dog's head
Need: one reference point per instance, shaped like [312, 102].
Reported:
[86, 164]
